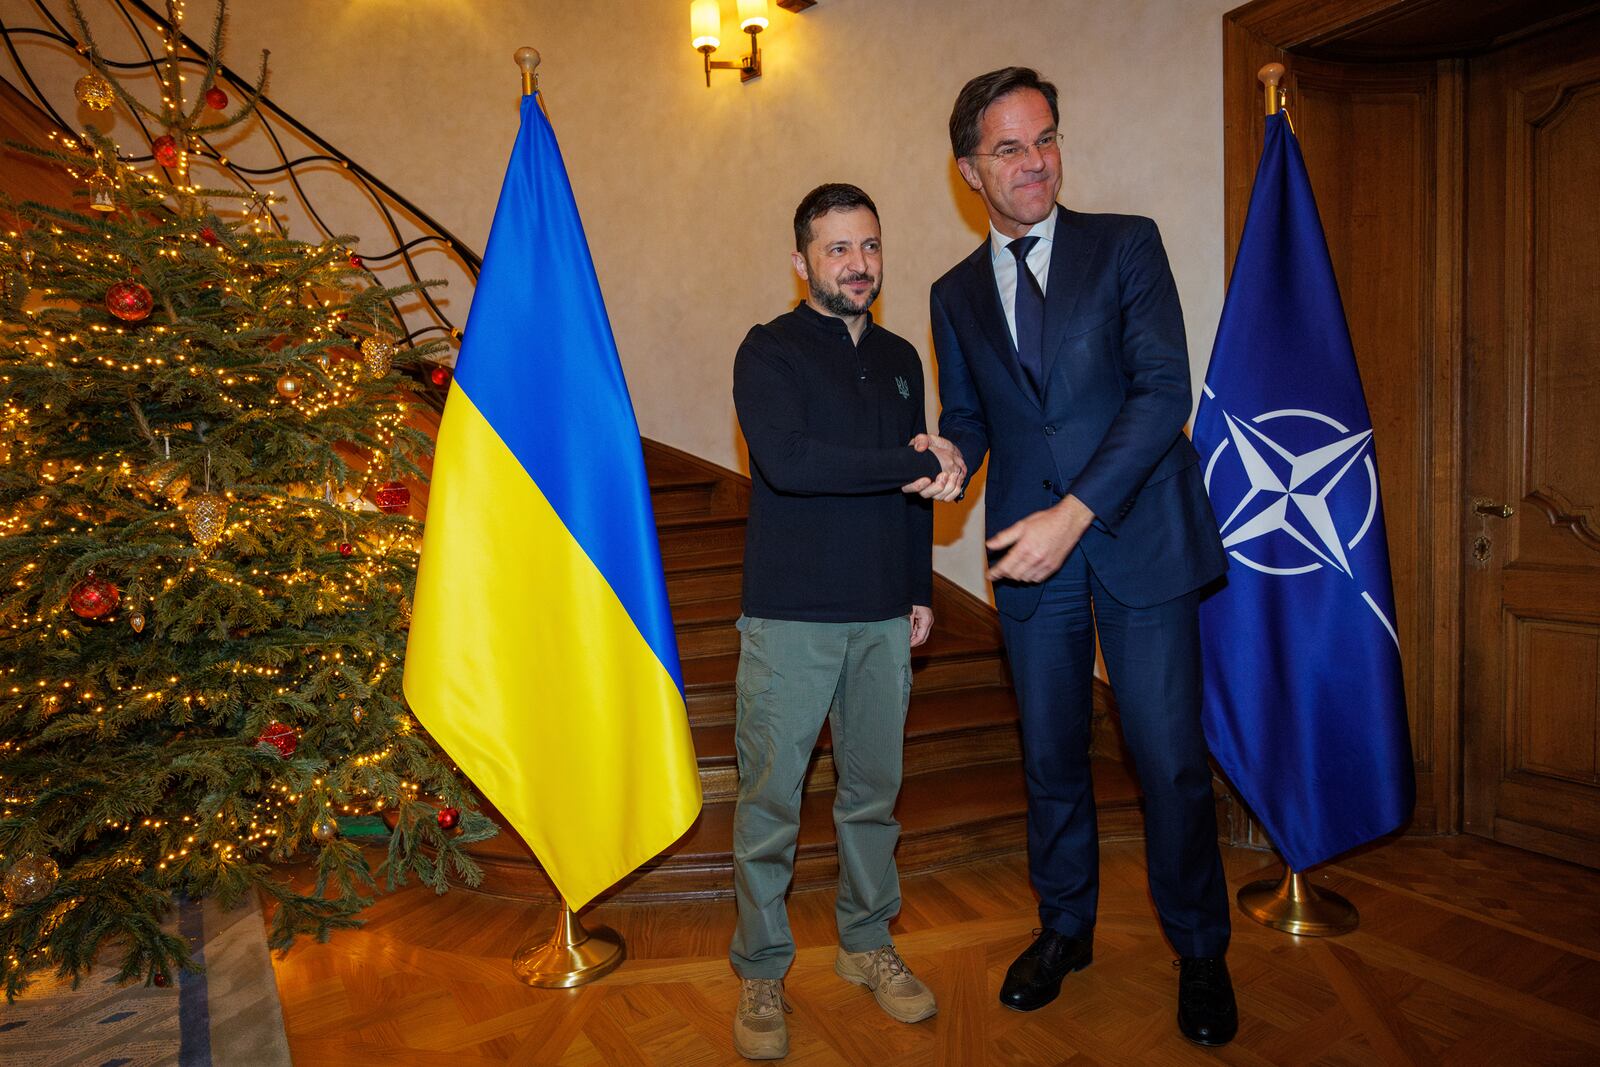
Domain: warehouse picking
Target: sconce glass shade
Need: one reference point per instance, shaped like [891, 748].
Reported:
[705, 22]
[752, 15]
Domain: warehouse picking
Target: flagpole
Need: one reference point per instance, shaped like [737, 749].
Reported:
[1291, 903]
[571, 955]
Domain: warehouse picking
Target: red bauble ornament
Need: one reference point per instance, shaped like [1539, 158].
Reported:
[208, 235]
[93, 597]
[162, 980]
[392, 497]
[129, 301]
[448, 817]
[279, 738]
[166, 150]
[440, 375]
[345, 548]
[355, 261]
[216, 99]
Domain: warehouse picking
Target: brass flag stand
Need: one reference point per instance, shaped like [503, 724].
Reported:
[1292, 904]
[1297, 907]
[571, 955]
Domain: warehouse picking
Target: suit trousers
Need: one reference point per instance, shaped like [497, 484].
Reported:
[792, 676]
[1152, 656]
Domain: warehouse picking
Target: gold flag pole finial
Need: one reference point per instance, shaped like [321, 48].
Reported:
[528, 60]
[1271, 76]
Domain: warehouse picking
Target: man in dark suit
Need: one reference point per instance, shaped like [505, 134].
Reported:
[1061, 354]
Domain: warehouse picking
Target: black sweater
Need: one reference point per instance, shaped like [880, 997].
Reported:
[831, 537]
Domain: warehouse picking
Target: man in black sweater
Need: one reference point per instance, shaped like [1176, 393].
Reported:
[838, 583]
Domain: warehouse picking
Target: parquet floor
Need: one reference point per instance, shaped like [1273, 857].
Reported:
[1468, 953]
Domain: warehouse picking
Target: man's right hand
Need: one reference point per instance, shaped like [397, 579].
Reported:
[950, 483]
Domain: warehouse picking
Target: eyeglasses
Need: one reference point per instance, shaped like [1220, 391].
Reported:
[1016, 153]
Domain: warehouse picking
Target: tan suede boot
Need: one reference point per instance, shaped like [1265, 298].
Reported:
[898, 992]
[759, 1029]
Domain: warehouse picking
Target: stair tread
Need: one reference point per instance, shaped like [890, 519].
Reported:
[698, 519]
[713, 611]
[685, 479]
[723, 557]
[661, 465]
[702, 672]
[929, 803]
[720, 666]
[930, 714]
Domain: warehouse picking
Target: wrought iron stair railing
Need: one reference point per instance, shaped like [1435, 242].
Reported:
[44, 55]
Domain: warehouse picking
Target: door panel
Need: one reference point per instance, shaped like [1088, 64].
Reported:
[1532, 632]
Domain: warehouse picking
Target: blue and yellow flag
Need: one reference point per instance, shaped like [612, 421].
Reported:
[542, 656]
[1304, 703]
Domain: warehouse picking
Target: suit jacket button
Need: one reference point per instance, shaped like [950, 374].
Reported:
[1049, 431]
[1048, 486]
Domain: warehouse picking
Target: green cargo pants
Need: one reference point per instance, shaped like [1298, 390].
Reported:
[791, 676]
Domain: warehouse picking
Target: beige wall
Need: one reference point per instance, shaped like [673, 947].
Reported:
[687, 193]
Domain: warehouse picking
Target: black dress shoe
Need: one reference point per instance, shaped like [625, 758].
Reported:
[1207, 1014]
[1034, 978]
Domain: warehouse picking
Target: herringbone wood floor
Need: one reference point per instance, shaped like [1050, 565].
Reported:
[1468, 953]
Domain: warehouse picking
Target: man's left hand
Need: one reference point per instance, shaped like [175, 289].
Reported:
[1040, 542]
[921, 624]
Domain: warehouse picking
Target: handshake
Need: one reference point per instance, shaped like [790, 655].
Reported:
[950, 483]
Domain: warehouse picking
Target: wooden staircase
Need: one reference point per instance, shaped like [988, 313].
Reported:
[963, 798]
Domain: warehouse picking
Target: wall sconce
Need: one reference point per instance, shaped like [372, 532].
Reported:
[705, 22]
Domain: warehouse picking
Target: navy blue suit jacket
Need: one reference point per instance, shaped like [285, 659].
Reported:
[1109, 425]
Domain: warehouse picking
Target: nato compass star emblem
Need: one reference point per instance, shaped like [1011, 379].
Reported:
[1299, 511]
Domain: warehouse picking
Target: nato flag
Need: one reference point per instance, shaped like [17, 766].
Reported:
[1304, 706]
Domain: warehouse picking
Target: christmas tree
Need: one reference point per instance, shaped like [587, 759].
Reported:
[205, 562]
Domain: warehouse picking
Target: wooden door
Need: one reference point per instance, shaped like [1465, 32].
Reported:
[1531, 634]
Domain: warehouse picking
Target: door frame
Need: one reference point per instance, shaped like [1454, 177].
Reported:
[1270, 31]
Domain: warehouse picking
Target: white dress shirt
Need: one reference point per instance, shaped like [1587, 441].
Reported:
[1005, 265]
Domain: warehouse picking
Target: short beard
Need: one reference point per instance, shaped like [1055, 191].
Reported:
[837, 302]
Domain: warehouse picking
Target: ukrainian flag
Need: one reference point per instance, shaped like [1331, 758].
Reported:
[542, 656]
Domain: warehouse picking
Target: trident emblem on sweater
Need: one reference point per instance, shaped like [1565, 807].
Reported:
[900, 384]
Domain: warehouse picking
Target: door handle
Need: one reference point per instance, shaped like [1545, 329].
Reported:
[1481, 506]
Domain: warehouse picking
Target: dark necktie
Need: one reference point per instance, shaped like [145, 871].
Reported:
[1030, 314]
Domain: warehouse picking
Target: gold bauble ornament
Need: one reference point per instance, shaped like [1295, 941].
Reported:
[136, 620]
[165, 478]
[289, 387]
[207, 515]
[94, 92]
[325, 829]
[378, 354]
[357, 714]
[30, 880]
